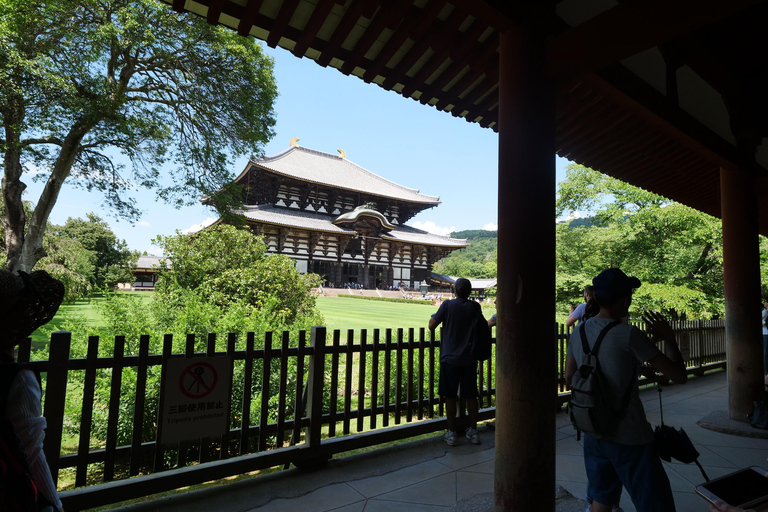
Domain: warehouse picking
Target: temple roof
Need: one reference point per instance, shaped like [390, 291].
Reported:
[334, 171]
[268, 214]
[363, 211]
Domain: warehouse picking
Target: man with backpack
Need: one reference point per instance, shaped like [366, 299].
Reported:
[601, 366]
[462, 319]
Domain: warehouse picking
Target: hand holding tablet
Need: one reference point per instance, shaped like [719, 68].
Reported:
[735, 491]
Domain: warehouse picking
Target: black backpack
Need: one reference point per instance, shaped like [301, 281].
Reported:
[481, 339]
[590, 408]
[18, 492]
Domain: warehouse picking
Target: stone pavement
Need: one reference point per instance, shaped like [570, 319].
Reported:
[429, 476]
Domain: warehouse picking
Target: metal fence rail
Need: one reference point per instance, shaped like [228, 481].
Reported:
[292, 403]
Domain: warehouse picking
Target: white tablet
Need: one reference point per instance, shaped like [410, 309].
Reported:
[742, 488]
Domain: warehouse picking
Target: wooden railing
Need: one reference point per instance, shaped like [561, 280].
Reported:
[293, 402]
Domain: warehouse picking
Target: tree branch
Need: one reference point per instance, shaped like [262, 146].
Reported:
[46, 140]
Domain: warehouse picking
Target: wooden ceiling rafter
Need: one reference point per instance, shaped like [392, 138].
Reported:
[284, 16]
[435, 37]
[316, 20]
[615, 139]
[384, 18]
[652, 106]
[567, 126]
[470, 86]
[344, 28]
[248, 18]
[629, 28]
[489, 98]
[578, 137]
[475, 55]
[214, 11]
[470, 100]
[446, 54]
[417, 21]
[635, 159]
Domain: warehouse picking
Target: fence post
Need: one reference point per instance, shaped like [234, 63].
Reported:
[55, 396]
[315, 388]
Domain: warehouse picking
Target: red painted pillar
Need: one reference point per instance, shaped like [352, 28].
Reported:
[741, 265]
[525, 372]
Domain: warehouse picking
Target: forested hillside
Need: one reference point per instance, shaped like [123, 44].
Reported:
[477, 260]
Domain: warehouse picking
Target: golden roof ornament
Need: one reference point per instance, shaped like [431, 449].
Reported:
[342, 154]
[294, 142]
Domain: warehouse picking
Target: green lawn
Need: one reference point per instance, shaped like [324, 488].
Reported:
[370, 314]
[339, 314]
[84, 308]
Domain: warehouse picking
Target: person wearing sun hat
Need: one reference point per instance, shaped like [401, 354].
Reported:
[627, 457]
[27, 301]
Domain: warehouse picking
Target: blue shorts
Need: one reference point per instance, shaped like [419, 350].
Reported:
[639, 468]
[450, 378]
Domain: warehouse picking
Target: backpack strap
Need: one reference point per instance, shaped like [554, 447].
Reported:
[585, 346]
[585, 343]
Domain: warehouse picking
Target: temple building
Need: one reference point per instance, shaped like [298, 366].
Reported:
[339, 220]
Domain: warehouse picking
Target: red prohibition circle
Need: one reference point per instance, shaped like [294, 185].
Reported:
[192, 378]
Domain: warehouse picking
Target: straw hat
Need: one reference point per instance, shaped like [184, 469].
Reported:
[27, 301]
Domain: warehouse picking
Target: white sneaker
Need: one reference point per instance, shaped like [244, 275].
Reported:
[450, 438]
[472, 435]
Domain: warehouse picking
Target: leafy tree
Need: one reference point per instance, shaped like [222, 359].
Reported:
[675, 248]
[106, 94]
[224, 265]
[112, 258]
[220, 280]
[68, 261]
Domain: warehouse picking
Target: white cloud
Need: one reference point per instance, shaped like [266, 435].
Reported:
[433, 228]
[491, 226]
[144, 224]
[572, 216]
[197, 227]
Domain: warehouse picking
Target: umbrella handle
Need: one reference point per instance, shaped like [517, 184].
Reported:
[661, 410]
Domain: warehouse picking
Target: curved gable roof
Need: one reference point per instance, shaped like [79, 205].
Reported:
[323, 168]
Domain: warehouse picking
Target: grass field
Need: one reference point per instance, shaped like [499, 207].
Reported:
[338, 313]
[369, 314]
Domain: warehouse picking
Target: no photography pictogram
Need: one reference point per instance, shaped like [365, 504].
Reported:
[198, 380]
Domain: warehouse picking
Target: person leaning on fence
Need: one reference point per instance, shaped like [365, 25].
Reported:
[578, 313]
[27, 301]
[457, 364]
[628, 455]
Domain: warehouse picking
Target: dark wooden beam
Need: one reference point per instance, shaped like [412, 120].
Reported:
[214, 11]
[453, 48]
[384, 18]
[309, 33]
[281, 22]
[416, 22]
[249, 17]
[347, 23]
[476, 56]
[630, 28]
[434, 38]
[628, 91]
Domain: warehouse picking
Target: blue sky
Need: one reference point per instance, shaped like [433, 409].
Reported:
[397, 138]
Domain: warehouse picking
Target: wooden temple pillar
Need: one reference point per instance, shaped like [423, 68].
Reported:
[525, 377]
[741, 268]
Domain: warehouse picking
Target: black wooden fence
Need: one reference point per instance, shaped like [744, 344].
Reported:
[294, 401]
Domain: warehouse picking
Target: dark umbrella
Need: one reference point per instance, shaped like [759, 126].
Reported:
[672, 443]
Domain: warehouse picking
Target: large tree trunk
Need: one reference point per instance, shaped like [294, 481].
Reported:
[14, 217]
[24, 250]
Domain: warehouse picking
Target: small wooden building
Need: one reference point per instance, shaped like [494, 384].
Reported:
[339, 220]
[144, 273]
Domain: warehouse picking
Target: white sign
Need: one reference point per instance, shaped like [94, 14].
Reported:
[196, 398]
